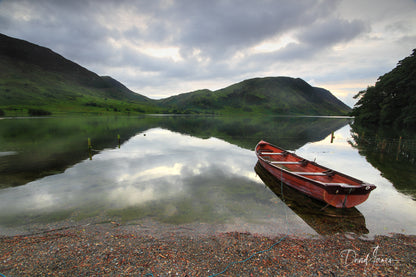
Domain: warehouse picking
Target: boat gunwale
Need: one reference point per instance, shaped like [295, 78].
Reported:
[362, 187]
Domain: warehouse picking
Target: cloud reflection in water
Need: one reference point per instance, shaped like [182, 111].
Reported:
[168, 176]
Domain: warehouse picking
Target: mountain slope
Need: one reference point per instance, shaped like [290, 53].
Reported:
[31, 75]
[271, 95]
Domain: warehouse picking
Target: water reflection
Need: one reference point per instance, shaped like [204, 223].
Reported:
[46, 146]
[386, 210]
[165, 176]
[324, 220]
[180, 171]
[393, 153]
[288, 132]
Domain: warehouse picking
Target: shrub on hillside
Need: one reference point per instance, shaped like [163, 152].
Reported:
[38, 112]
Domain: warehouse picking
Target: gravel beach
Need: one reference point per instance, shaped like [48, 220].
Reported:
[128, 250]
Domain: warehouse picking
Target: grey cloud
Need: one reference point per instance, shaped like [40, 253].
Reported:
[399, 26]
[61, 26]
[219, 29]
[104, 36]
[311, 42]
[332, 31]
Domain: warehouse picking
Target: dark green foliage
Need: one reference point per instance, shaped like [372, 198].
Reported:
[92, 104]
[2, 112]
[38, 112]
[392, 101]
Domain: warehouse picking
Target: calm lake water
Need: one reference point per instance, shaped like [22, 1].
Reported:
[194, 172]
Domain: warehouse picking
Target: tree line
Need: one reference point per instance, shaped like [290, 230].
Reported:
[392, 100]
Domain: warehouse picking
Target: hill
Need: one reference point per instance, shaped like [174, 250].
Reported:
[271, 95]
[38, 80]
[32, 76]
[392, 100]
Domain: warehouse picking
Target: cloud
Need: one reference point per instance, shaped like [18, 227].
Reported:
[163, 46]
[332, 31]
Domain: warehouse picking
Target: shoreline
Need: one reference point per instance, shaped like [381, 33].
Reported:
[136, 250]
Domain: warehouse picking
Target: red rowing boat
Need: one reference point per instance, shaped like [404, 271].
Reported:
[334, 188]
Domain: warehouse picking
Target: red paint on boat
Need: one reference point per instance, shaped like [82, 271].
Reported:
[335, 188]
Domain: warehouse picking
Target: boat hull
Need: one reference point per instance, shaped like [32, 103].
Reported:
[327, 221]
[348, 193]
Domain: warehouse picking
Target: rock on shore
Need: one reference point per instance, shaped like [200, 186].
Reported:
[113, 250]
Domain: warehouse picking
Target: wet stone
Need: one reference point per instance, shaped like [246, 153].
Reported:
[121, 251]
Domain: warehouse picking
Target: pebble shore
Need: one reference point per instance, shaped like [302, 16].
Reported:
[117, 250]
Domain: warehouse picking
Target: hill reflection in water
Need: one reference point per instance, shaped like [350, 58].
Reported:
[47, 146]
[157, 175]
[193, 171]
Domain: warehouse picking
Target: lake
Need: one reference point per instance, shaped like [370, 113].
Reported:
[195, 172]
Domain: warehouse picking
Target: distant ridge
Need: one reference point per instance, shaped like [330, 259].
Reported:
[35, 76]
[32, 75]
[26, 53]
[269, 95]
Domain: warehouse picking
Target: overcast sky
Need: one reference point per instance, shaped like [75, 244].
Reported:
[160, 48]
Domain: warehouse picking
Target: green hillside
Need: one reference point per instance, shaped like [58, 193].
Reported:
[271, 95]
[34, 77]
[37, 80]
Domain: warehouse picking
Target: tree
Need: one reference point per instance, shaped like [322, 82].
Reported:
[392, 101]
